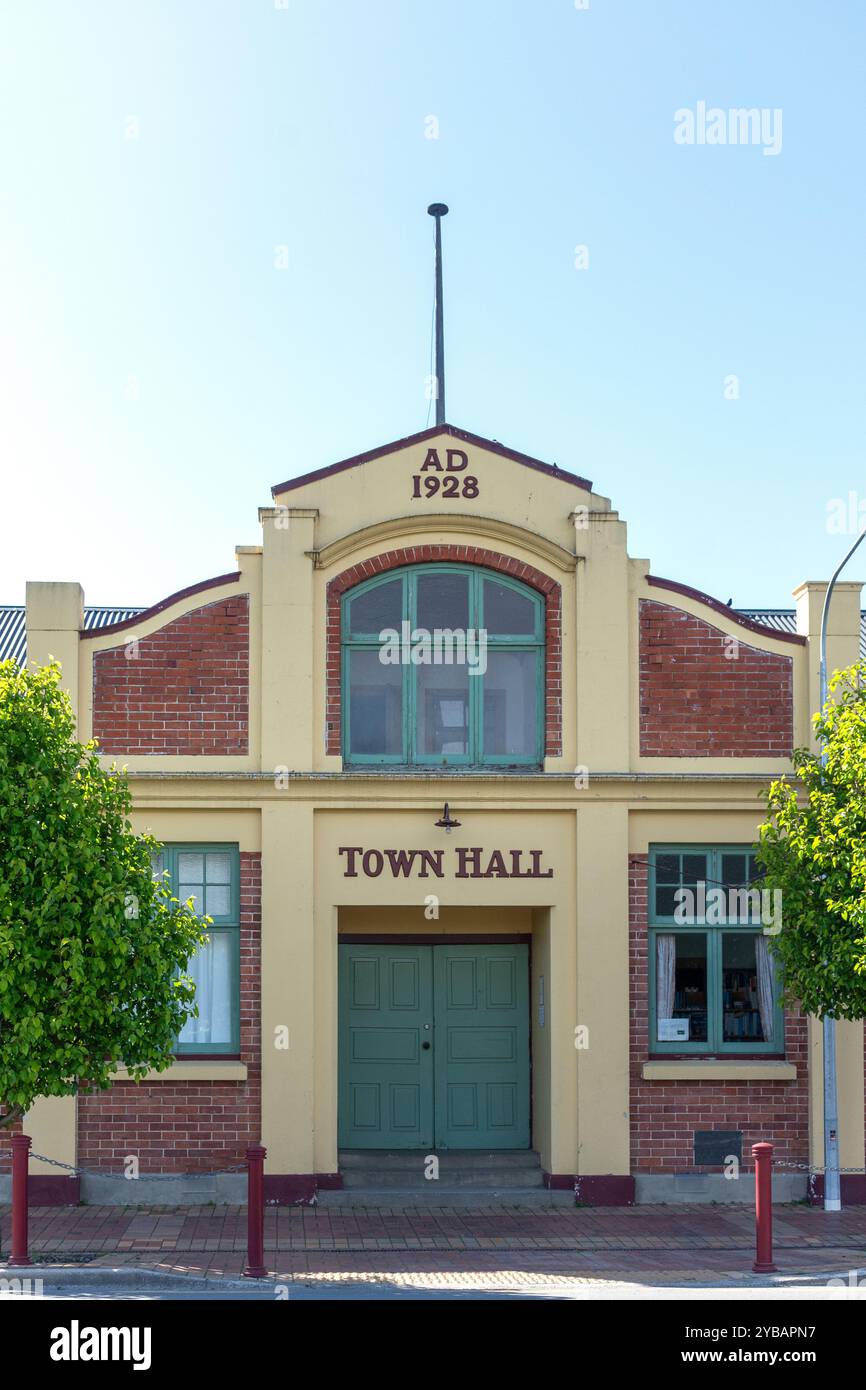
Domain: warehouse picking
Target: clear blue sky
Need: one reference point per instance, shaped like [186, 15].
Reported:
[158, 372]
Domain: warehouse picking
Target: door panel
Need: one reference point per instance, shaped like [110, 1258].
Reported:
[469, 1089]
[481, 1009]
[386, 1074]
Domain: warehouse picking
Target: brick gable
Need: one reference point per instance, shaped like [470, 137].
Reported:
[182, 690]
[705, 694]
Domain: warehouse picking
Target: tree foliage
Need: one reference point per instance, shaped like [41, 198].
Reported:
[93, 949]
[813, 848]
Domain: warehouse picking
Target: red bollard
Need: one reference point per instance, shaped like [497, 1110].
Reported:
[763, 1156]
[20, 1161]
[255, 1212]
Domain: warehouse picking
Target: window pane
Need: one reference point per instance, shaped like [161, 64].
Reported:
[442, 713]
[219, 868]
[743, 902]
[194, 891]
[375, 705]
[507, 612]
[218, 900]
[734, 870]
[510, 703]
[190, 868]
[666, 902]
[743, 906]
[668, 872]
[694, 868]
[157, 864]
[443, 600]
[741, 1000]
[378, 608]
[211, 969]
[667, 868]
[681, 979]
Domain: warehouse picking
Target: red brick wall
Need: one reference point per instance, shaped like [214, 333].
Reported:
[455, 554]
[665, 1114]
[184, 689]
[698, 701]
[183, 1126]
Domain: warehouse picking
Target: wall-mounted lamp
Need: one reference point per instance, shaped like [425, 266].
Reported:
[446, 823]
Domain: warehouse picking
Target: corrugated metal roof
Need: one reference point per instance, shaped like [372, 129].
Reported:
[13, 637]
[785, 620]
[13, 634]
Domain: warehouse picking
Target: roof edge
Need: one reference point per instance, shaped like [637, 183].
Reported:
[467, 436]
[217, 582]
[730, 613]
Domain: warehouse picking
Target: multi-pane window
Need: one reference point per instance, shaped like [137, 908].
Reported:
[443, 665]
[713, 982]
[209, 875]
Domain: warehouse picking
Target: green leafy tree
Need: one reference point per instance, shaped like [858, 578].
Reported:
[813, 849]
[93, 949]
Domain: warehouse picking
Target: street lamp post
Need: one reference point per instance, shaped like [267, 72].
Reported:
[832, 1185]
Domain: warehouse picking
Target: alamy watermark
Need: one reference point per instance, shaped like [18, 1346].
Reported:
[854, 1280]
[717, 906]
[443, 646]
[846, 515]
[738, 125]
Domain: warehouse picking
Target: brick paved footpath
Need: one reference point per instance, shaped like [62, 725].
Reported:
[426, 1246]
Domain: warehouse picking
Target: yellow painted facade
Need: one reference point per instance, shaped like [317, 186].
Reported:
[292, 801]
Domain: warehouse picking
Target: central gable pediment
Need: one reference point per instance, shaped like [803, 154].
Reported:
[440, 475]
[439, 440]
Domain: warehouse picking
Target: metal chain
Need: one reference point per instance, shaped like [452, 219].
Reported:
[242, 1168]
[801, 1167]
[810, 1167]
[122, 1177]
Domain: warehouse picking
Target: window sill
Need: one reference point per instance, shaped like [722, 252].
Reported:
[191, 1069]
[727, 1069]
[406, 770]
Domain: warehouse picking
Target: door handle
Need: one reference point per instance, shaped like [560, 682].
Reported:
[426, 1046]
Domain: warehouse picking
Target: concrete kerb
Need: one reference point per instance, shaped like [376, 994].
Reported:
[137, 1278]
[128, 1276]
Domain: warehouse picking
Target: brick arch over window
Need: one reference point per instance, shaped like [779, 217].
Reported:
[455, 554]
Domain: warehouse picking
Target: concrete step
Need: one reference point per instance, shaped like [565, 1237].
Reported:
[448, 1158]
[459, 1169]
[413, 1179]
[435, 1195]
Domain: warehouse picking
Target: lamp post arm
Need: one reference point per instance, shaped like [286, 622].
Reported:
[825, 613]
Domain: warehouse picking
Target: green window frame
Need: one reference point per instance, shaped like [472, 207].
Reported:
[200, 871]
[714, 949]
[478, 740]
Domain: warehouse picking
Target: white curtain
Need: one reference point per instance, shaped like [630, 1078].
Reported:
[666, 964]
[210, 968]
[766, 1006]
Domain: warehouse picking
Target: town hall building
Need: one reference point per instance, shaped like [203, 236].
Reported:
[443, 763]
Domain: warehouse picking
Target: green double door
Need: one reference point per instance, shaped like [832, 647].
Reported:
[434, 1047]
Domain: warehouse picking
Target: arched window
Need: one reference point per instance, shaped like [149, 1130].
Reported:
[443, 665]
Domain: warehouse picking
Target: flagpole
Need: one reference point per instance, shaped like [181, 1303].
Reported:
[439, 210]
